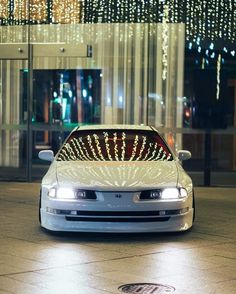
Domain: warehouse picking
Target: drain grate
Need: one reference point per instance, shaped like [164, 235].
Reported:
[146, 288]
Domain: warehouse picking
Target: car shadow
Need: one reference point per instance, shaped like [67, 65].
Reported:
[85, 237]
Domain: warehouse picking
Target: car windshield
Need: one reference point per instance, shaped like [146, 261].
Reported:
[114, 145]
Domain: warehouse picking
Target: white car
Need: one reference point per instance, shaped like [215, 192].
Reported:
[116, 178]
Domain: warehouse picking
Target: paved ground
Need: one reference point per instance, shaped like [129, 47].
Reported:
[202, 261]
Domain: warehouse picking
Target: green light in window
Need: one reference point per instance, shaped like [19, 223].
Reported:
[57, 100]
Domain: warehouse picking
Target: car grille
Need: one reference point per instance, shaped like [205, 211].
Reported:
[116, 220]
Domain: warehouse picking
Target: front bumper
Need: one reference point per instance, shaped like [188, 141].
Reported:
[169, 224]
[121, 215]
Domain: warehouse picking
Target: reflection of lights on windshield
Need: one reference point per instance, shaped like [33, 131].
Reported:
[190, 45]
[90, 99]
[207, 52]
[101, 75]
[213, 55]
[198, 40]
[232, 53]
[199, 49]
[225, 50]
[84, 93]
[54, 94]
[70, 93]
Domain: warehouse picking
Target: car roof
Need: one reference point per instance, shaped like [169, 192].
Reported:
[115, 126]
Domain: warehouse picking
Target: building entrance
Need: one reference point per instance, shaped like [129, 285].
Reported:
[41, 101]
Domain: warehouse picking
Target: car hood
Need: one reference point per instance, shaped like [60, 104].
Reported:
[109, 176]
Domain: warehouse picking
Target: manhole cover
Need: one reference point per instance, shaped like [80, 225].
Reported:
[146, 288]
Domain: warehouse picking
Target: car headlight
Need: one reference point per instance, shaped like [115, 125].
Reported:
[69, 193]
[165, 194]
[62, 193]
[65, 193]
[173, 193]
[170, 193]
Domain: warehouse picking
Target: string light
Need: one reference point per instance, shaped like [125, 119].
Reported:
[123, 146]
[134, 148]
[106, 139]
[208, 20]
[165, 38]
[40, 11]
[142, 148]
[4, 9]
[218, 77]
[67, 11]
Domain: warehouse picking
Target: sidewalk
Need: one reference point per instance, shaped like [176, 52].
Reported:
[201, 261]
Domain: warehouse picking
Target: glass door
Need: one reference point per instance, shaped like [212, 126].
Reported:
[13, 105]
[66, 89]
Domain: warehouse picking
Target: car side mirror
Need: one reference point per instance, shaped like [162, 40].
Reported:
[184, 155]
[46, 155]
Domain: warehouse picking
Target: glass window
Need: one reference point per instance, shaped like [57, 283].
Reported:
[114, 145]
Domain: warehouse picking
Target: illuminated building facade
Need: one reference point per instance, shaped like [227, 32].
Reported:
[166, 63]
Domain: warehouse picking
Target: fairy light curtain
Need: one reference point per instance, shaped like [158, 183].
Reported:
[20, 12]
[204, 19]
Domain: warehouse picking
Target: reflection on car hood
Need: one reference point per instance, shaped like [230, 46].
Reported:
[110, 176]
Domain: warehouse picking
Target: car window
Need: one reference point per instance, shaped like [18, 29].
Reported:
[114, 145]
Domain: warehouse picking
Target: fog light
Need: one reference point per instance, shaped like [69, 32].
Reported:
[183, 210]
[51, 210]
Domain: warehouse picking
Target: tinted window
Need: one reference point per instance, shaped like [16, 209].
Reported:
[114, 145]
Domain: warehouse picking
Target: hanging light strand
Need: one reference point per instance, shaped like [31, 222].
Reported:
[208, 19]
[218, 77]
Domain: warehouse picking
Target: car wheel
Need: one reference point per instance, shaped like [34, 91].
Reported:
[40, 200]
